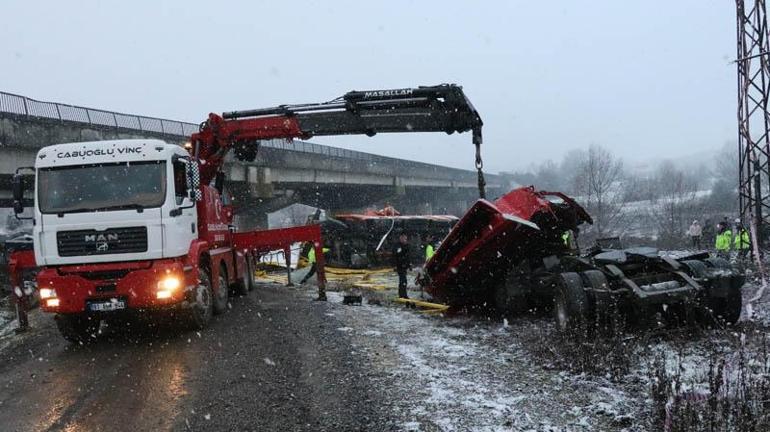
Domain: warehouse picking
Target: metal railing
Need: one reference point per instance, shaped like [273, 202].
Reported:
[24, 106]
[27, 107]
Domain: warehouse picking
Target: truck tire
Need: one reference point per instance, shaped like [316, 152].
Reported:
[220, 295]
[199, 314]
[728, 309]
[698, 269]
[596, 279]
[77, 328]
[571, 302]
[718, 263]
[242, 287]
[251, 278]
[605, 308]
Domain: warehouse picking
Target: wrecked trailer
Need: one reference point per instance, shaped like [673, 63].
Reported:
[366, 240]
[513, 254]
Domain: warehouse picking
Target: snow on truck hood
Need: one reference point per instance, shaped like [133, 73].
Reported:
[95, 152]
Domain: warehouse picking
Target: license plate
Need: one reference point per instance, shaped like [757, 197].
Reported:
[105, 306]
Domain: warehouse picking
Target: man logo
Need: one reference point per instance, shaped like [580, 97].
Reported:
[102, 247]
[101, 237]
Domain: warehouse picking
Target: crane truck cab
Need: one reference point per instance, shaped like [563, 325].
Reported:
[124, 225]
[137, 224]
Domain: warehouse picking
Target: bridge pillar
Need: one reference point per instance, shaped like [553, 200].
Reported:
[260, 182]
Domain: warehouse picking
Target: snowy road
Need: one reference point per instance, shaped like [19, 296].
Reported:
[279, 361]
[275, 361]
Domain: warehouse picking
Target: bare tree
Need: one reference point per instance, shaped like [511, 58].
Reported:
[546, 176]
[724, 190]
[597, 182]
[570, 166]
[639, 188]
[726, 163]
[676, 206]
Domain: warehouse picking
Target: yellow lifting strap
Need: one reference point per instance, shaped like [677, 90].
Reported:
[435, 307]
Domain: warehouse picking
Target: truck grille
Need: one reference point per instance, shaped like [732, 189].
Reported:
[107, 275]
[111, 241]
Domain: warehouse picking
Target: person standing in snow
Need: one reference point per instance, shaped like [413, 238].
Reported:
[401, 262]
[430, 247]
[742, 240]
[723, 240]
[311, 259]
[695, 232]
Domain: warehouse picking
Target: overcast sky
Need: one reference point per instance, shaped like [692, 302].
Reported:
[644, 78]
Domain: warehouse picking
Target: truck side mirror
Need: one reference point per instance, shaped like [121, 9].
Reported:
[17, 185]
[194, 180]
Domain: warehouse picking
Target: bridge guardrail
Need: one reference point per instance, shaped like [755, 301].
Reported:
[24, 106]
[27, 107]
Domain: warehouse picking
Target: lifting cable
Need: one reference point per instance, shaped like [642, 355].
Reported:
[479, 168]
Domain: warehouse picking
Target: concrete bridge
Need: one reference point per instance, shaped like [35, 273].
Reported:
[284, 172]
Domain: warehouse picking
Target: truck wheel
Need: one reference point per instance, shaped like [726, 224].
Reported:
[571, 302]
[77, 328]
[199, 315]
[728, 309]
[697, 268]
[243, 287]
[596, 280]
[220, 295]
[605, 308]
[718, 263]
[251, 278]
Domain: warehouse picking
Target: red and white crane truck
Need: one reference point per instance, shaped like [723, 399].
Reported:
[140, 225]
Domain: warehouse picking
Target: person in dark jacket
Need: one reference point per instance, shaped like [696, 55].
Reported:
[401, 262]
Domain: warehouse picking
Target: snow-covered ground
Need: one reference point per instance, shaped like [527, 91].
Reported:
[460, 373]
[470, 373]
[475, 373]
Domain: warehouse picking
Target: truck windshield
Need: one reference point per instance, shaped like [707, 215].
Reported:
[99, 187]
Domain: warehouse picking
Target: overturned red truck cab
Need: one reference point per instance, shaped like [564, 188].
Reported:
[513, 254]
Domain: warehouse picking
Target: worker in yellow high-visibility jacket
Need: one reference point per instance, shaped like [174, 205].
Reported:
[430, 249]
[568, 237]
[723, 240]
[311, 259]
[742, 241]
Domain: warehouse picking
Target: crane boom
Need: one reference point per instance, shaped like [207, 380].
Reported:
[442, 108]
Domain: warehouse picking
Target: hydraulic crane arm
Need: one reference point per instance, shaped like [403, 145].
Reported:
[442, 108]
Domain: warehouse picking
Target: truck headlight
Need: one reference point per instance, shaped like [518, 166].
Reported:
[47, 293]
[170, 283]
[52, 302]
[167, 286]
